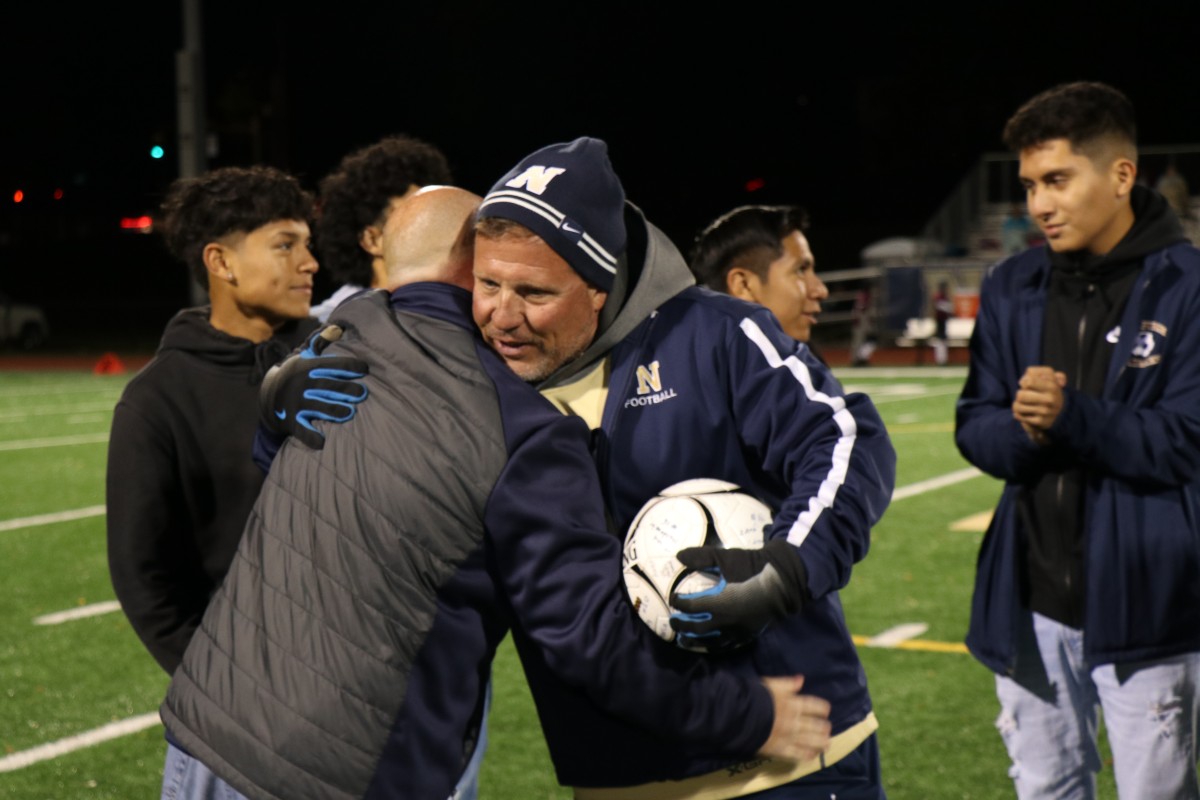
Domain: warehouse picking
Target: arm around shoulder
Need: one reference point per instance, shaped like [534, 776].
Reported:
[561, 570]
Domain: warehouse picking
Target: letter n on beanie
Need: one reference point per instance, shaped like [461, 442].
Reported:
[569, 196]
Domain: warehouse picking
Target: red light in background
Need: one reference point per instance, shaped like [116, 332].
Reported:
[58, 194]
[754, 184]
[142, 224]
[18, 196]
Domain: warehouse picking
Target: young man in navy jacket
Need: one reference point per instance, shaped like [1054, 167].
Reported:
[1084, 396]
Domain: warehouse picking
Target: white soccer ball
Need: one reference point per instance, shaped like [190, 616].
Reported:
[702, 511]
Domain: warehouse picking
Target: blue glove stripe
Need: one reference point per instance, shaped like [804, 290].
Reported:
[685, 637]
[332, 397]
[336, 374]
[304, 418]
[703, 616]
[709, 592]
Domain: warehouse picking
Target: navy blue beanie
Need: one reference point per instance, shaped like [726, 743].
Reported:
[568, 195]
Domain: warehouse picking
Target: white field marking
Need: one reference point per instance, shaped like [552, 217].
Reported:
[85, 419]
[899, 399]
[80, 408]
[902, 373]
[895, 635]
[45, 752]
[976, 523]
[888, 389]
[906, 419]
[940, 482]
[921, 645]
[82, 612]
[921, 427]
[58, 389]
[50, 519]
[54, 441]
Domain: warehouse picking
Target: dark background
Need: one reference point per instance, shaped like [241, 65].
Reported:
[868, 116]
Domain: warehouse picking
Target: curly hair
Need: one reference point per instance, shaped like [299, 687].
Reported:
[1085, 113]
[357, 194]
[740, 233]
[198, 211]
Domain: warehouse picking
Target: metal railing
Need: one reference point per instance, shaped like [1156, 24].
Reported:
[993, 180]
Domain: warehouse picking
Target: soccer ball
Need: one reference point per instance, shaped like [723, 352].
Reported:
[702, 511]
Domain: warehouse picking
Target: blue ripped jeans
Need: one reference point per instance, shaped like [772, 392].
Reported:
[1049, 715]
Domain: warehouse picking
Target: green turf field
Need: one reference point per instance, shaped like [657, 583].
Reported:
[76, 677]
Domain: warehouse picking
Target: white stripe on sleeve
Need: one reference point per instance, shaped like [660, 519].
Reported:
[845, 421]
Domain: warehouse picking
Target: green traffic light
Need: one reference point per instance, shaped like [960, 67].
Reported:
[156, 152]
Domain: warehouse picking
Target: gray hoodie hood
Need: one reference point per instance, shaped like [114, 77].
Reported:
[650, 272]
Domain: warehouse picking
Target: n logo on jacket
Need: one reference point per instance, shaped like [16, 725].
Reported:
[648, 379]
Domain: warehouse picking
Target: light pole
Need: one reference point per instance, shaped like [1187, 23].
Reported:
[189, 94]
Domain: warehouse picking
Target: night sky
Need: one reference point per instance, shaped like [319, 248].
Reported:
[867, 116]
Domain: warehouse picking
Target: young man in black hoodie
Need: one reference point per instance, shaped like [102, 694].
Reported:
[1084, 395]
[181, 480]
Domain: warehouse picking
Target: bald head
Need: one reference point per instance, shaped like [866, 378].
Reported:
[429, 237]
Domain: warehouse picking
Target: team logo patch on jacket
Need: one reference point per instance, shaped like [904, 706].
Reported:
[1149, 346]
[650, 389]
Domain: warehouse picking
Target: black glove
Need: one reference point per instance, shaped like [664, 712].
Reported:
[754, 588]
[308, 386]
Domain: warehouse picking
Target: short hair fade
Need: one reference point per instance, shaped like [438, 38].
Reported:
[1083, 113]
[739, 233]
[198, 211]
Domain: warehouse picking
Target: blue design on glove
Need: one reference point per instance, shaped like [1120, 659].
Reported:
[310, 386]
[754, 588]
[691, 640]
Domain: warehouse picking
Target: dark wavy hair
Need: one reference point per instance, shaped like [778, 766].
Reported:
[1085, 113]
[357, 193]
[740, 233]
[198, 211]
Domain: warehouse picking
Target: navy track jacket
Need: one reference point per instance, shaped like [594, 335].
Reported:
[707, 386]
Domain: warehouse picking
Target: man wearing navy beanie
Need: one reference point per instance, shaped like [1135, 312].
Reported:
[581, 217]
[585, 299]
[566, 206]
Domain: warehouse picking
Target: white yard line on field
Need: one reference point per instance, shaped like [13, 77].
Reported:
[922, 396]
[976, 523]
[82, 612]
[54, 441]
[85, 419]
[50, 519]
[80, 408]
[919, 645]
[940, 482]
[900, 633]
[904, 637]
[899, 373]
[58, 389]
[45, 752]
